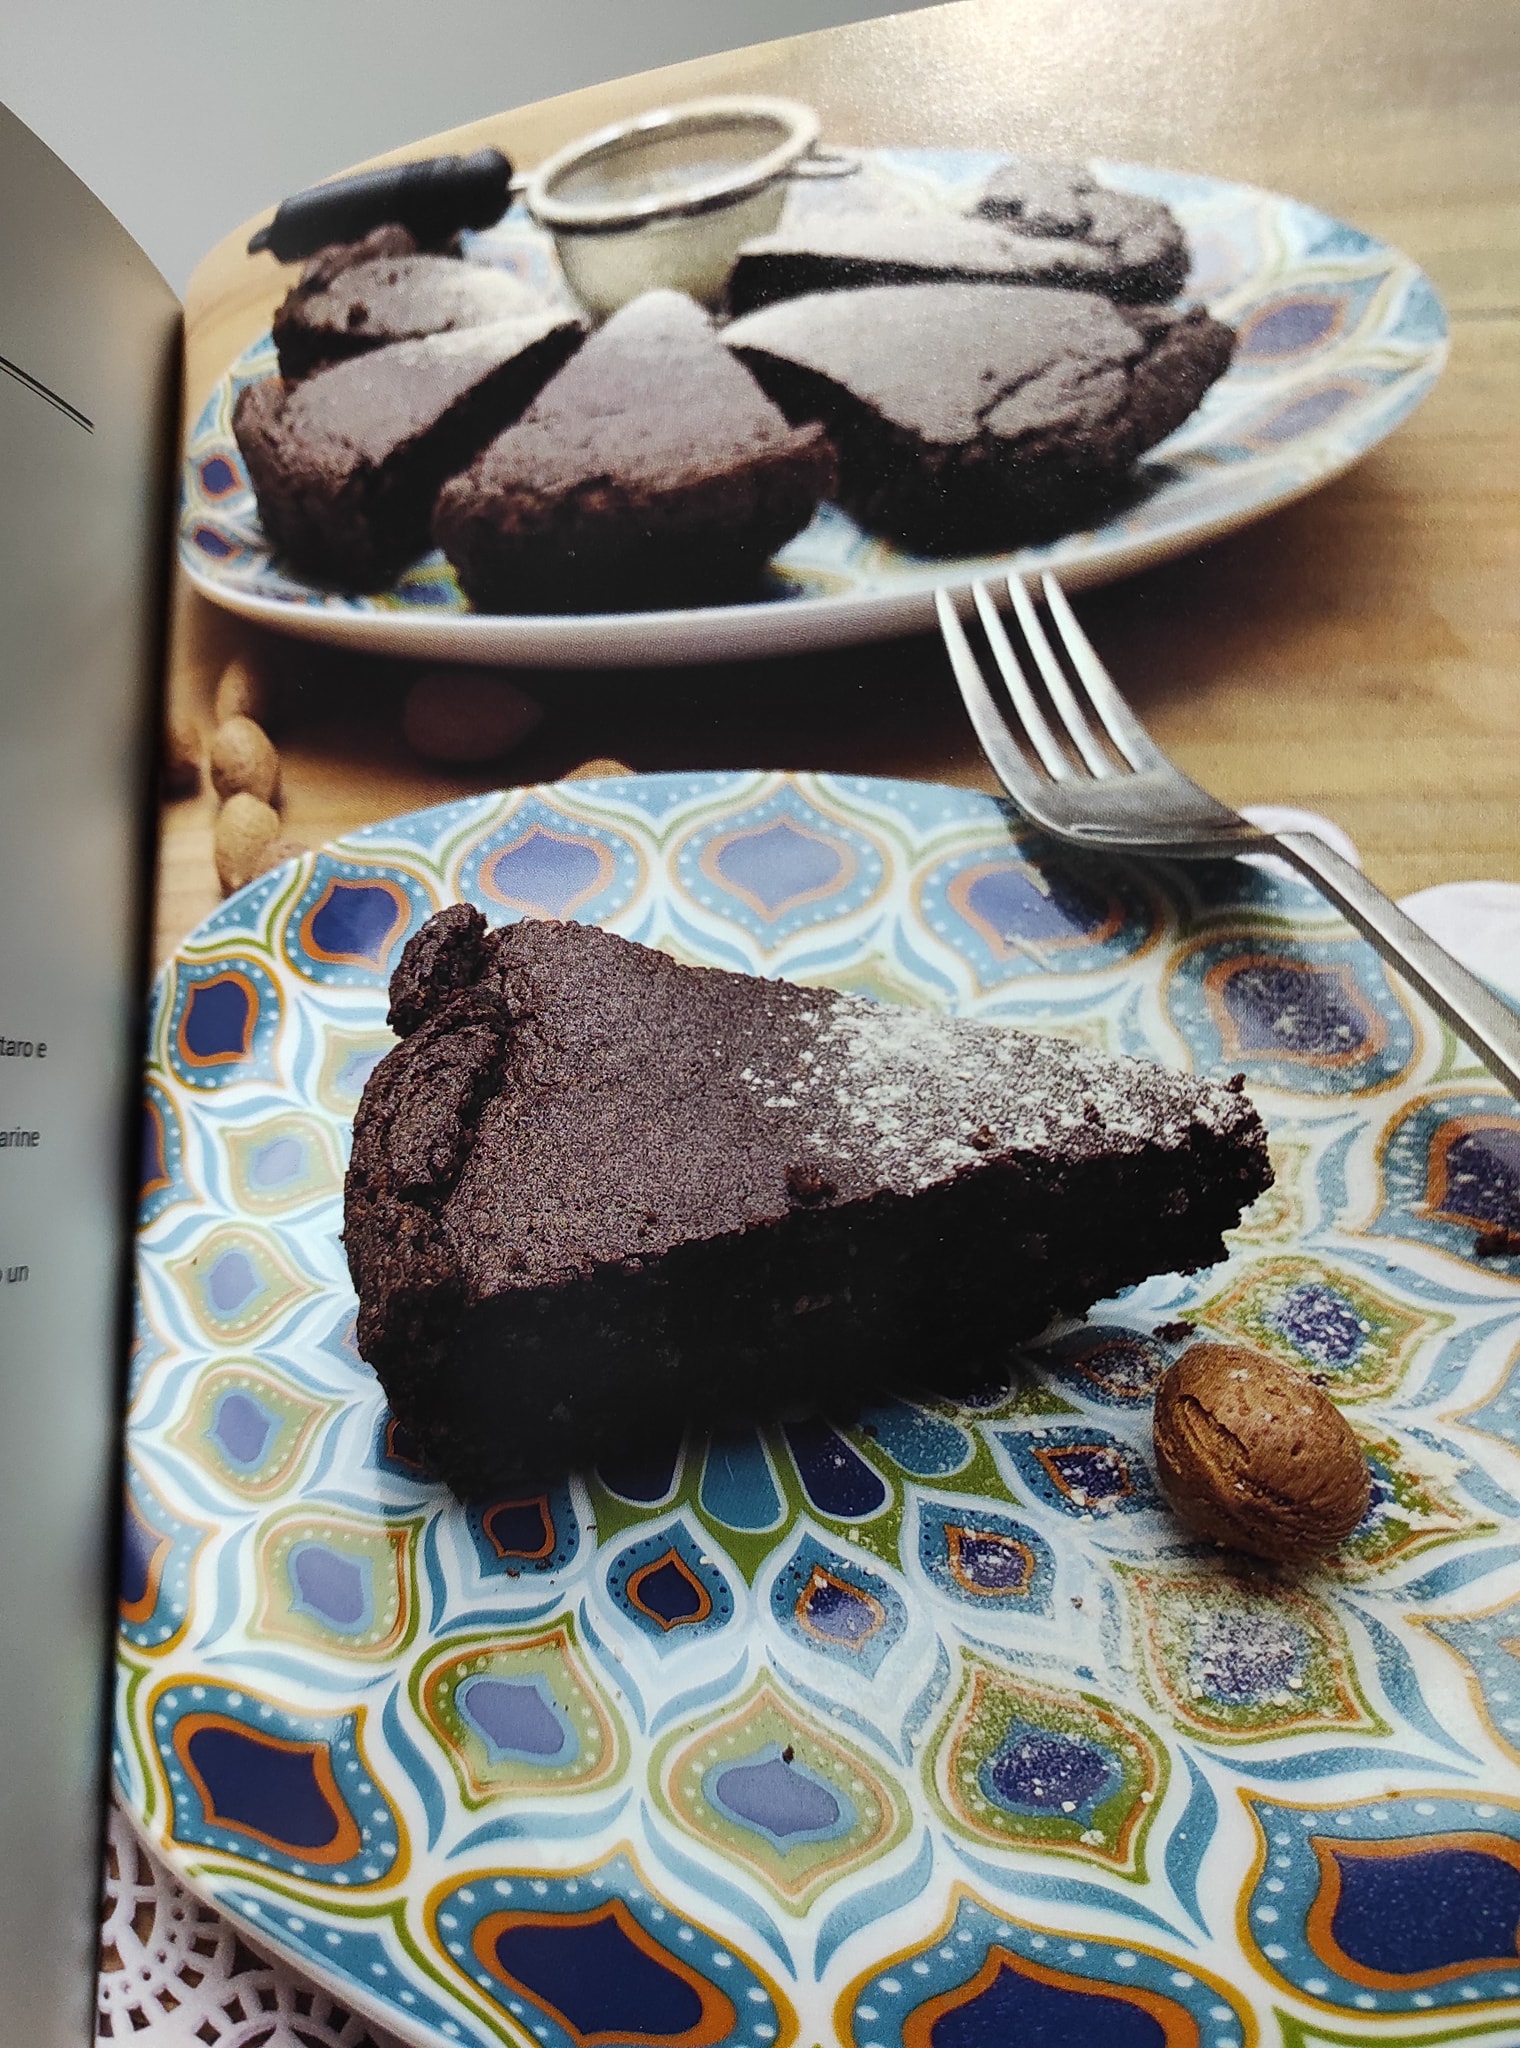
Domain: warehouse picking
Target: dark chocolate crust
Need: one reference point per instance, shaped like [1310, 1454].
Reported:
[1102, 248]
[969, 417]
[596, 1196]
[389, 239]
[348, 303]
[346, 465]
[652, 471]
[1142, 238]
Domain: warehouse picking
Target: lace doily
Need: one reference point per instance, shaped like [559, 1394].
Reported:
[173, 1974]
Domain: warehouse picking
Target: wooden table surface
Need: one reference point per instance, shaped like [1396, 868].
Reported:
[1358, 653]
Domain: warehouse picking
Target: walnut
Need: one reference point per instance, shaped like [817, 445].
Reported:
[1252, 1454]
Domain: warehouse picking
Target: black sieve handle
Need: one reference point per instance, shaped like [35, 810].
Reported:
[434, 198]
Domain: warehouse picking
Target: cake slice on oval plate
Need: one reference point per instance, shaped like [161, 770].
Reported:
[346, 464]
[652, 472]
[1142, 238]
[971, 417]
[597, 1196]
[355, 297]
[1112, 245]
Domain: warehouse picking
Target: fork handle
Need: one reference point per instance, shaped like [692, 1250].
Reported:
[1469, 1006]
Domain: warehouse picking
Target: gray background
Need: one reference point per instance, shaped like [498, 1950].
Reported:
[187, 116]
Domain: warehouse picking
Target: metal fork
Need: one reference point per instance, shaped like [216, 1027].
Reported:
[1125, 796]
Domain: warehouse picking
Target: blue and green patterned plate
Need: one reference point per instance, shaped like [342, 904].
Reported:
[1341, 336]
[931, 1731]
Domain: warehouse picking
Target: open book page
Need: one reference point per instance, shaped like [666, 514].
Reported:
[583, 571]
[88, 363]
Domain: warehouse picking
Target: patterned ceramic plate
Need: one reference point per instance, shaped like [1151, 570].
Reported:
[929, 1732]
[1340, 338]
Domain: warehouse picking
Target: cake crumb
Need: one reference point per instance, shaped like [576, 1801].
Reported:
[805, 1183]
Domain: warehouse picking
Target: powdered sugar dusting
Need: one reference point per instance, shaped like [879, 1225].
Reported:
[916, 1096]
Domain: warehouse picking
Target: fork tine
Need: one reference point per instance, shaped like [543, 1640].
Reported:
[1119, 722]
[997, 743]
[1025, 706]
[1062, 696]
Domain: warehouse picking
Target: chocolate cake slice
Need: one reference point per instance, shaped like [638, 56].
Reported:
[973, 417]
[360, 296]
[653, 471]
[346, 464]
[390, 239]
[1142, 238]
[844, 252]
[596, 1195]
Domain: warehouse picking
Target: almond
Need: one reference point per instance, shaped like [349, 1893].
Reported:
[246, 832]
[240, 693]
[244, 762]
[1250, 1453]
